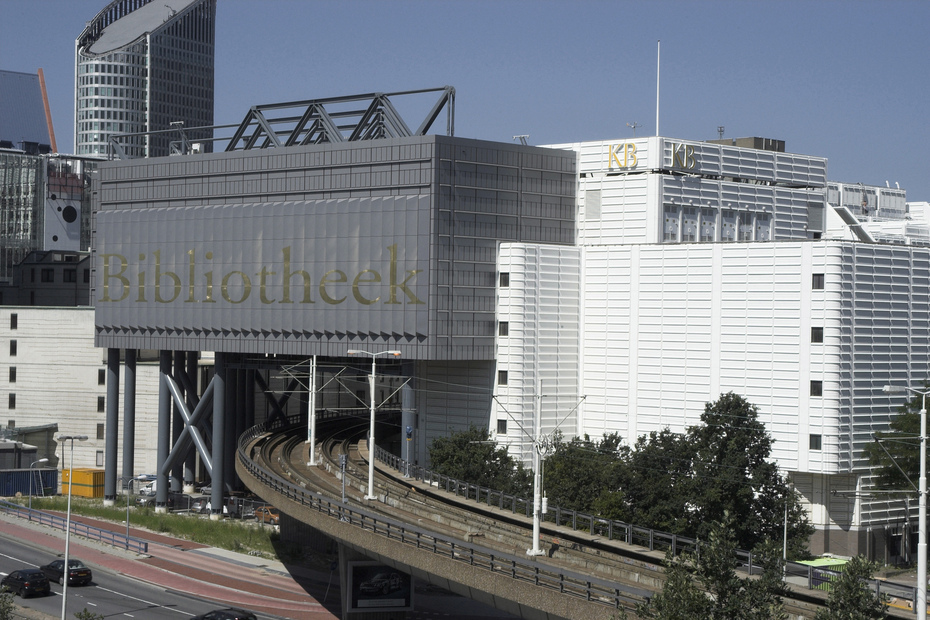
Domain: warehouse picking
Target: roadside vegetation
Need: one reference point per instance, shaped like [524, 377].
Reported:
[231, 534]
[681, 483]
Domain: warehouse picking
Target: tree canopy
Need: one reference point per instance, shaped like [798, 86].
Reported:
[901, 445]
[716, 592]
[472, 456]
[673, 482]
[850, 596]
[680, 483]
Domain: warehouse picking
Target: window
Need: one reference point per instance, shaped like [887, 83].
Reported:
[101, 403]
[12, 401]
[501, 377]
[99, 458]
[14, 320]
[816, 442]
[86, 276]
[817, 281]
[12, 374]
[504, 279]
[101, 376]
[48, 275]
[672, 224]
[12, 348]
[503, 328]
[816, 334]
[816, 388]
[502, 427]
[69, 275]
[11, 423]
[100, 431]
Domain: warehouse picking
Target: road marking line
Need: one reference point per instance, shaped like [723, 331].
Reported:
[142, 600]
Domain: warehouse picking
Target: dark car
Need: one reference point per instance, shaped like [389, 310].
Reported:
[230, 613]
[78, 573]
[381, 583]
[26, 582]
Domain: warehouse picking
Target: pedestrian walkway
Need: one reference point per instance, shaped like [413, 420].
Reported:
[229, 578]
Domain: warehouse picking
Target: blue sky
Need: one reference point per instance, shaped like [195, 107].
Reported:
[849, 81]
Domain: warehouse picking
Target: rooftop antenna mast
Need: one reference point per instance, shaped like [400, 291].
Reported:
[522, 138]
[658, 58]
[633, 125]
[720, 129]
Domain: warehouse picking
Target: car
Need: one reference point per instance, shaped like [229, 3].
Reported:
[268, 514]
[381, 583]
[230, 613]
[147, 501]
[26, 582]
[78, 573]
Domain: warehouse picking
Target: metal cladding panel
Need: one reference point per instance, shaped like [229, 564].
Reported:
[267, 277]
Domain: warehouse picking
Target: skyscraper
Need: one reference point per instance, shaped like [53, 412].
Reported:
[144, 66]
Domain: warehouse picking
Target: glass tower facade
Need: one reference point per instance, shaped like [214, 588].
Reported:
[144, 66]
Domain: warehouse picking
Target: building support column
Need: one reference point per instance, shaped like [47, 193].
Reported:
[164, 432]
[129, 417]
[111, 434]
[177, 422]
[219, 437]
[190, 463]
[408, 420]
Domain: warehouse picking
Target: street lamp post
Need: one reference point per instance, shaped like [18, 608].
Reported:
[371, 430]
[127, 481]
[31, 476]
[67, 566]
[921, 501]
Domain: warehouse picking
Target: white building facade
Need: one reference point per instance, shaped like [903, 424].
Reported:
[707, 268]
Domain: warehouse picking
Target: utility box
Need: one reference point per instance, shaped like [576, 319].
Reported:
[83, 482]
[825, 571]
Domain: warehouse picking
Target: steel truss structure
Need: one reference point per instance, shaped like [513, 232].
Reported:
[353, 118]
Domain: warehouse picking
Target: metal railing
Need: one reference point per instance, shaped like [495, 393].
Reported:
[899, 596]
[79, 529]
[573, 584]
[651, 539]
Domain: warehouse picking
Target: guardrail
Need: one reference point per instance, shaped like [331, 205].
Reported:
[77, 528]
[900, 596]
[648, 538]
[566, 582]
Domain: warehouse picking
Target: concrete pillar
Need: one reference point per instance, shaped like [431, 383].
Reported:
[219, 437]
[129, 416]
[190, 461]
[163, 446]
[111, 433]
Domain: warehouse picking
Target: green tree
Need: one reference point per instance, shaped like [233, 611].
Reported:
[471, 456]
[733, 473]
[580, 474]
[706, 586]
[656, 481]
[6, 606]
[851, 598]
[901, 448]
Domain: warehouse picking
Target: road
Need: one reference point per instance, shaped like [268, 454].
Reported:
[110, 595]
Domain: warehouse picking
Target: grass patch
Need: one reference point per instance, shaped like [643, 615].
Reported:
[231, 534]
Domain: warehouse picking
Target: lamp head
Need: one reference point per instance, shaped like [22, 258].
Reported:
[894, 389]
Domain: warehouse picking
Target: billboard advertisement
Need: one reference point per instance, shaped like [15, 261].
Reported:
[376, 587]
[279, 270]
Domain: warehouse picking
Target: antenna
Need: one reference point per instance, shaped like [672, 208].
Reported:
[634, 125]
[522, 138]
[720, 129]
[658, 57]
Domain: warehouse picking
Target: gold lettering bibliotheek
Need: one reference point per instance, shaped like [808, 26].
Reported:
[151, 282]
